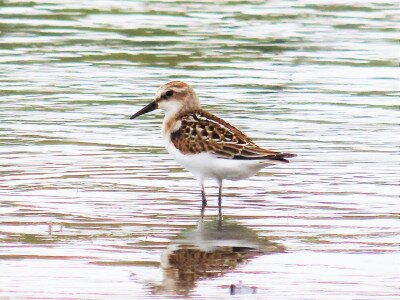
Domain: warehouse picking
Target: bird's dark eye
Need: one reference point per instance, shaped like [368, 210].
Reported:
[169, 93]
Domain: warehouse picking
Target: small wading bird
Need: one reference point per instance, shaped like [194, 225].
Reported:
[204, 144]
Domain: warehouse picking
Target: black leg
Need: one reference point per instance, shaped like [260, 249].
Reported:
[204, 201]
[220, 205]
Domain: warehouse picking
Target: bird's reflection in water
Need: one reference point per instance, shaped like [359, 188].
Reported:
[207, 251]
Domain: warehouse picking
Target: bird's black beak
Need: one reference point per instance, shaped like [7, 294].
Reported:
[148, 108]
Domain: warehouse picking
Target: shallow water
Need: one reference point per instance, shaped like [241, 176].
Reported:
[90, 200]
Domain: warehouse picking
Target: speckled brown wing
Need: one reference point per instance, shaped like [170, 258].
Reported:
[201, 131]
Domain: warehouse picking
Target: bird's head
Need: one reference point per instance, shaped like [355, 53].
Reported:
[173, 97]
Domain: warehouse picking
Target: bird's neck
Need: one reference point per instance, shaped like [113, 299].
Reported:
[172, 121]
[169, 123]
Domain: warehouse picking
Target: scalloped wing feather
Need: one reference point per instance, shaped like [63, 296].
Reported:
[201, 131]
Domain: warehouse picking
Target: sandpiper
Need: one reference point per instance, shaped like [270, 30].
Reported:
[204, 144]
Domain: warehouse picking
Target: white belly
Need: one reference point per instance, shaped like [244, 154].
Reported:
[205, 165]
